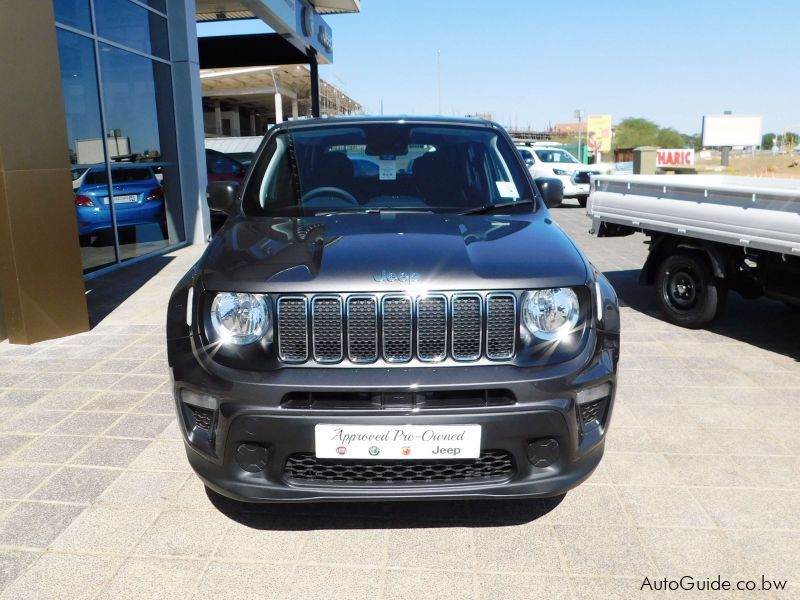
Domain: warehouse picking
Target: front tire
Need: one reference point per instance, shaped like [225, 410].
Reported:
[582, 200]
[689, 293]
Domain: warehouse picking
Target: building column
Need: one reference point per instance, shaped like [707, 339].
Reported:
[295, 111]
[189, 128]
[236, 125]
[278, 108]
[253, 122]
[41, 278]
[217, 117]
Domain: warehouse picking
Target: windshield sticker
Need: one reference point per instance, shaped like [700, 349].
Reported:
[507, 189]
[388, 169]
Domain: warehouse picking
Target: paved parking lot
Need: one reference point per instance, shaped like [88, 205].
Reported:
[701, 475]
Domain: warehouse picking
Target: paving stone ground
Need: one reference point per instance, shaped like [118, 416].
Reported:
[701, 476]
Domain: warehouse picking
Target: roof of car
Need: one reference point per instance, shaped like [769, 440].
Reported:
[385, 119]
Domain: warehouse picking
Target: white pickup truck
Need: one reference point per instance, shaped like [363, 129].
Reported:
[708, 234]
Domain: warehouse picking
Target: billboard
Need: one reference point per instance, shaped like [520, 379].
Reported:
[674, 157]
[598, 132]
[732, 130]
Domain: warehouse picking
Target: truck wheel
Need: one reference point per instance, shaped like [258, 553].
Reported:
[690, 295]
[582, 200]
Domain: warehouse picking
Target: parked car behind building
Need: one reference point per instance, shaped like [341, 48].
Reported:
[138, 198]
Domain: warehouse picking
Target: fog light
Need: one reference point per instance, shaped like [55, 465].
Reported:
[593, 393]
[543, 452]
[199, 399]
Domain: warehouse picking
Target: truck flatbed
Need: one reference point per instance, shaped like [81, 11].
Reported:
[752, 212]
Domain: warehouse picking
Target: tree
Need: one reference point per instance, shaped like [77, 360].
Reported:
[767, 140]
[634, 132]
[671, 138]
[695, 141]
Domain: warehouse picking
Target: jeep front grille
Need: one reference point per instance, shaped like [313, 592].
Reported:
[397, 328]
[293, 328]
[326, 328]
[362, 329]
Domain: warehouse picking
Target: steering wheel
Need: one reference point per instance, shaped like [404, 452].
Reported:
[338, 193]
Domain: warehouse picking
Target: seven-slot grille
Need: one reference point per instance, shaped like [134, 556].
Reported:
[364, 328]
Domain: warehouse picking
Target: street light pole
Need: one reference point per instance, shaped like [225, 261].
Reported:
[579, 116]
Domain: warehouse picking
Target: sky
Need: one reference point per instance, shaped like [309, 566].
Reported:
[534, 62]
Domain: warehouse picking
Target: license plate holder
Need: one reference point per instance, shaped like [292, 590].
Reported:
[397, 442]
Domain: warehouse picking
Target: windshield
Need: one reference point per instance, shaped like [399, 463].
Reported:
[555, 156]
[384, 166]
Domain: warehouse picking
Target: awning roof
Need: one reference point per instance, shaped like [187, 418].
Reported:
[220, 10]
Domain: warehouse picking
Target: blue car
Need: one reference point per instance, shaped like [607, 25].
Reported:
[138, 198]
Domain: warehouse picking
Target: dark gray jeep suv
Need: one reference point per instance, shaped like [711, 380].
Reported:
[390, 313]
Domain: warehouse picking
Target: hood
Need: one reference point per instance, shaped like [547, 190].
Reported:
[391, 252]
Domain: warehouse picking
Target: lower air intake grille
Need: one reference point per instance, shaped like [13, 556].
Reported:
[592, 412]
[306, 468]
[202, 417]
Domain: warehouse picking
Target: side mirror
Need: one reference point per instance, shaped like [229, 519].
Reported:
[528, 162]
[221, 196]
[552, 190]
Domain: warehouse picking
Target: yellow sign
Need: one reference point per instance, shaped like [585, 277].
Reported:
[598, 132]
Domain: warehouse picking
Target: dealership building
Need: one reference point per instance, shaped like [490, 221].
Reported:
[103, 115]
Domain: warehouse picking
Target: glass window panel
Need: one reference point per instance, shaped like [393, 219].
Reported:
[74, 13]
[85, 138]
[158, 5]
[140, 123]
[134, 26]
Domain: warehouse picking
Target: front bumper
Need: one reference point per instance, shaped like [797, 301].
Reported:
[574, 190]
[252, 412]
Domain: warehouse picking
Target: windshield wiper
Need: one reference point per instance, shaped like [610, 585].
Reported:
[373, 211]
[487, 208]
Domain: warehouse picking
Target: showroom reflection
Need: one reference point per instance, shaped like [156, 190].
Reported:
[121, 130]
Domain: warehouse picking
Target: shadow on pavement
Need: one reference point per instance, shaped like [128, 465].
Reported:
[383, 515]
[762, 322]
[568, 203]
[106, 292]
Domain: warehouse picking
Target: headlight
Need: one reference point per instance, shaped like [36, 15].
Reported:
[551, 313]
[239, 318]
[561, 172]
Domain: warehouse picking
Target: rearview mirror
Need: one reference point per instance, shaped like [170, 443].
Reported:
[552, 190]
[221, 196]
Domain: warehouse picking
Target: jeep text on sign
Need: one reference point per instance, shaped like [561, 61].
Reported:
[674, 158]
